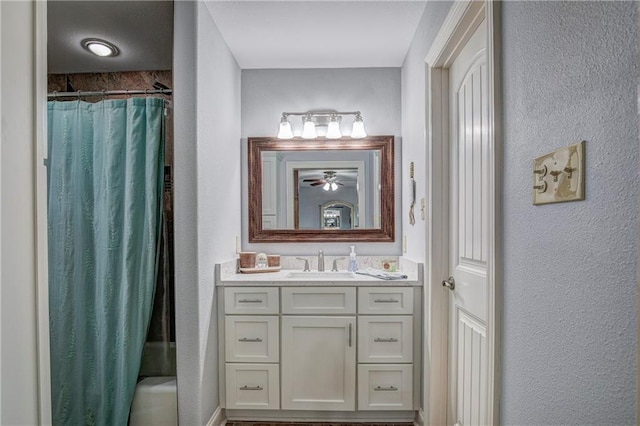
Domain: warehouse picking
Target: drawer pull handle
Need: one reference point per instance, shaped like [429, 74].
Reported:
[386, 300]
[244, 339]
[250, 300]
[390, 339]
[245, 387]
[349, 334]
[385, 388]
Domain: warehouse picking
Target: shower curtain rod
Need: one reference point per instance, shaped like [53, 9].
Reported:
[81, 93]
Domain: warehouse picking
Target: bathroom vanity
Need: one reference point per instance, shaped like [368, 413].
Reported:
[330, 346]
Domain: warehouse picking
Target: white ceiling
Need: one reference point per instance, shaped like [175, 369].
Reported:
[317, 34]
[260, 34]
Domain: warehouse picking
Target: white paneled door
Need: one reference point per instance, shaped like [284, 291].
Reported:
[468, 232]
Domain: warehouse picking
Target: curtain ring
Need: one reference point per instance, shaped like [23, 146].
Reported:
[104, 94]
[55, 96]
[78, 94]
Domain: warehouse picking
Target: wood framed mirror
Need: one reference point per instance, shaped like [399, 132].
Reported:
[291, 180]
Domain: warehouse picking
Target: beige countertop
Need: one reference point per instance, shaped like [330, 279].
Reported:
[226, 275]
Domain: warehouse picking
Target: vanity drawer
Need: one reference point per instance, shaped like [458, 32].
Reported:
[251, 338]
[253, 386]
[385, 339]
[385, 387]
[385, 300]
[251, 300]
[318, 300]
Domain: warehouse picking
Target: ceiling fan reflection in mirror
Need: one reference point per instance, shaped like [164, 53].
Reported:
[328, 182]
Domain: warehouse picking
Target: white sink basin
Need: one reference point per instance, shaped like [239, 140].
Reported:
[317, 275]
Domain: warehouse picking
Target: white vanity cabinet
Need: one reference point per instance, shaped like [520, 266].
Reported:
[343, 350]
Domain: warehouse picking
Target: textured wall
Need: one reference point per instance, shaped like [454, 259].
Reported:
[570, 311]
[207, 118]
[414, 123]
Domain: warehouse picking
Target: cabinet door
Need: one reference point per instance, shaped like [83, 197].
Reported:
[319, 363]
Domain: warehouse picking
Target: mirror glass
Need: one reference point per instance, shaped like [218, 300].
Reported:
[321, 190]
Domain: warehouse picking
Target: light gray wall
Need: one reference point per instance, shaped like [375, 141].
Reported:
[414, 124]
[570, 314]
[207, 118]
[375, 92]
[18, 314]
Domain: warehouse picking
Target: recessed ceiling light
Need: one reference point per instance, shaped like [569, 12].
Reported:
[99, 47]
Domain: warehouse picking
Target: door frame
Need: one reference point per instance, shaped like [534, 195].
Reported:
[42, 263]
[459, 25]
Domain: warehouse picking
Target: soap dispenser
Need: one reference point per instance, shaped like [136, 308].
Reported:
[353, 263]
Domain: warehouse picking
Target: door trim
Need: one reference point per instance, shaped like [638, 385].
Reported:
[42, 268]
[462, 20]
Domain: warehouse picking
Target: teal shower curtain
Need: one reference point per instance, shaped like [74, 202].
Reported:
[104, 209]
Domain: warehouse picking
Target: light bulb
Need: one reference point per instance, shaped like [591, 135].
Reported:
[326, 186]
[358, 128]
[333, 130]
[308, 129]
[334, 186]
[285, 129]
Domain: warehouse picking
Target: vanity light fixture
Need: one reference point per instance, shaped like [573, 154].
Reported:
[329, 119]
[100, 47]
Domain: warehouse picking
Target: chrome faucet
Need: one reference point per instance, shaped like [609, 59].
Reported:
[335, 264]
[320, 261]
[306, 264]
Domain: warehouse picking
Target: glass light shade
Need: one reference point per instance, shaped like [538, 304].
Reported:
[358, 131]
[326, 186]
[333, 130]
[285, 129]
[100, 47]
[309, 130]
[334, 186]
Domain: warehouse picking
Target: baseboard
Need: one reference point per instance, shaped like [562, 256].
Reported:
[419, 421]
[304, 416]
[218, 418]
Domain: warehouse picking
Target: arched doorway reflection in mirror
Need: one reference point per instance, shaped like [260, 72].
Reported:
[337, 215]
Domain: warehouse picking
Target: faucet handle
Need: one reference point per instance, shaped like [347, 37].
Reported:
[306, 264]
[334, 268]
